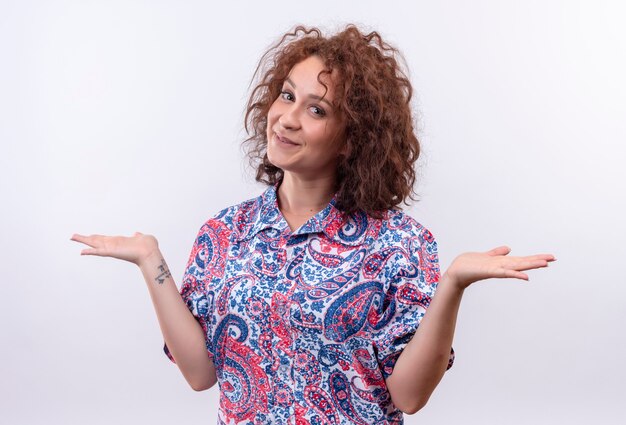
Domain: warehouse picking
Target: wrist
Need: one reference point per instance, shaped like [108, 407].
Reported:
[451, 283]
[154, 269]
[151, 258]
[149, 250]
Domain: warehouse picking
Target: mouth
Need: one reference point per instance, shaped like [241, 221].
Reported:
[285, 141]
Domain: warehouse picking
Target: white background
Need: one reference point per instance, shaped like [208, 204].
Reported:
[117, 116]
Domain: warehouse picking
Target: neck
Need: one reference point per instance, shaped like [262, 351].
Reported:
[298, 196]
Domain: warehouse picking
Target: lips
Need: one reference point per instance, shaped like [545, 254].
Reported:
[285, 140]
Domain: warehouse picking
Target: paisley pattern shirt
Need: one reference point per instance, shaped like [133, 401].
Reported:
[303, 327]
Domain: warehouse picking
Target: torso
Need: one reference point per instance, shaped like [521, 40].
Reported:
[305, 325]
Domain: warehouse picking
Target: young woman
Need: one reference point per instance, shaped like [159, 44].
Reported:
[314, 302]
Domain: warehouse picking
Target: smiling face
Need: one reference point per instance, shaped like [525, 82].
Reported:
[304, 131]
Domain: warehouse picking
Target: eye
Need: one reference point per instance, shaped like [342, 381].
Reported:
[318, 111]
[286, 95]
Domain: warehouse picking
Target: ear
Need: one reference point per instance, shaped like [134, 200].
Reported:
[343, 150]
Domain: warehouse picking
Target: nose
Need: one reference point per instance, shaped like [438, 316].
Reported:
[289, 119]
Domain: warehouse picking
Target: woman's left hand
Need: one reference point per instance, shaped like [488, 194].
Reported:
[471, 267]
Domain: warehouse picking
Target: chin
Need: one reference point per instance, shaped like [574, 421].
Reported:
[272, 160]
[276, 157]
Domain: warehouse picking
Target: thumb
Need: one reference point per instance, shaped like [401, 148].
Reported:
[501, 250]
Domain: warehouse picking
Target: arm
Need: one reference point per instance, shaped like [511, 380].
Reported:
[423, 361]
[182, 333]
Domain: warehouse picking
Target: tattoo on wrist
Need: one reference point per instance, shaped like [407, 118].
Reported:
[165, 273]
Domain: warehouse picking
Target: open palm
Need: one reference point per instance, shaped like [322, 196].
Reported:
[134, 248]
[471, 267]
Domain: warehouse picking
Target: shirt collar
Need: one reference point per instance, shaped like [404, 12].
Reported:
[262, 214]
[265, 214]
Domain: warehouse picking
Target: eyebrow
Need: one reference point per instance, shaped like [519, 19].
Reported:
[312, 96]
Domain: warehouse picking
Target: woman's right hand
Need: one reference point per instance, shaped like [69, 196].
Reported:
[135, 249]
[471, 267]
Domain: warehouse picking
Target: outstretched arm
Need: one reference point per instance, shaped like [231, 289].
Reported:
[424, 360]
[182, 333]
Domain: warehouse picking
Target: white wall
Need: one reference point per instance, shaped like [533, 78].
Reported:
[118, 116]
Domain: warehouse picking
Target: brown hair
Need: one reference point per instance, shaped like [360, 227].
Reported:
[372, 94]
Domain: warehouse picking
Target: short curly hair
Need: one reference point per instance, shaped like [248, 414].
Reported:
[372, 93]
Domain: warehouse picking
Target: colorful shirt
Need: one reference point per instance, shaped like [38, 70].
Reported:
[303, 327]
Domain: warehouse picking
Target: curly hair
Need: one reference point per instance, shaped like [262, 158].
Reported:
[372, 93]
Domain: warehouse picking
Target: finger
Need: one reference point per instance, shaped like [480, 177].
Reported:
[87, 240]
[536, 264]
[501, 250]
[521, 263]
[82, 239]
[91, 251]
[516, 274]
[547, 257]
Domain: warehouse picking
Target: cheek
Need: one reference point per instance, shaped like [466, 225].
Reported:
[273, 113]
[327, 135]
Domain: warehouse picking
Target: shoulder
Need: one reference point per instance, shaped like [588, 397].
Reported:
[398, 227]
[405, 242]
[235, 219]
[415, 250]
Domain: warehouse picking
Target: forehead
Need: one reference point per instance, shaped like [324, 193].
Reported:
[305, 75]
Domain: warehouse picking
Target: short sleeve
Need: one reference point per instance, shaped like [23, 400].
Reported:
[408, 295]
[205, 265]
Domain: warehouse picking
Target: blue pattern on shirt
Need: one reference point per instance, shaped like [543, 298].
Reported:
[303, 327]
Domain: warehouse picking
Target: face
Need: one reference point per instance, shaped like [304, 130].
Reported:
[304, 131]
